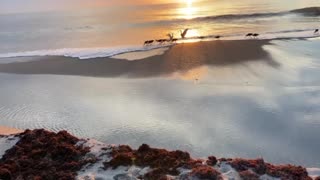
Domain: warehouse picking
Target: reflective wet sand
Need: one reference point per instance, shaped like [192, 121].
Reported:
[252, 106]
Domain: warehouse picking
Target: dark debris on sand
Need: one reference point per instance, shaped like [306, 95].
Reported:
[41, 154]
[165, 163]
[161, 161]
[260, 167]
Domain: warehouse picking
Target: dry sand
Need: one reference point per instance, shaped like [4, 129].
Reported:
[179, 58]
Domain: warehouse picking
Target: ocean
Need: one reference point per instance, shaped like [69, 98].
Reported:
[113, 30]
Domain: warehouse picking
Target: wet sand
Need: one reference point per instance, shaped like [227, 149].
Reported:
[8, 131]
[249, 108]
[179, 58]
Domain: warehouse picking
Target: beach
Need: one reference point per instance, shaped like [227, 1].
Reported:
[185, 89]
[243, 98]
[179, 58]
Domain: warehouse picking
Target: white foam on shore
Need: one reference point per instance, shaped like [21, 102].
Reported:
[84, 53]
[313, 172]
[88, 53]
[101, 152]
[131, 56]
[228, 172]
[7, 142]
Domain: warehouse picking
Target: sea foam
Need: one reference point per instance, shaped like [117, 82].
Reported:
[88, 53]
[83, 53]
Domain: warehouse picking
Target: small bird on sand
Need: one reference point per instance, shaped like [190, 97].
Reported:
[149, 42]
[316, 31]
[174, 40]
[255, 35]
[249, 34]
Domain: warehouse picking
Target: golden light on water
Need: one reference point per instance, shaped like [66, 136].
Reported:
[193, 33]
[189, 2]
[188, 11]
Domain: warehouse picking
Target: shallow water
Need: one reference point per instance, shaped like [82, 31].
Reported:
[252, 109]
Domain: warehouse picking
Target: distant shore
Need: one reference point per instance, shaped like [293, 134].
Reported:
[40, 154]
[178, 58]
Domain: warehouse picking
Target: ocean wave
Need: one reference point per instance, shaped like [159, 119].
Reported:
[309, 11]
[88, 53]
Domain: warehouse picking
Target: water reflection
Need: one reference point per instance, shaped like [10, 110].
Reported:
[189, 11]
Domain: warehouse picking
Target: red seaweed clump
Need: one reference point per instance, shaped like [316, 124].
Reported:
[288, 172]
[157, 173]
[279, 171]
[162, 162]
[161, 158]
[205, 172]
[248, 175]
[40, 154]
[212, 161]
[257, 165]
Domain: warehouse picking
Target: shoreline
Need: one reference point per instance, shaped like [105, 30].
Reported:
[74, 158]
[178, 58]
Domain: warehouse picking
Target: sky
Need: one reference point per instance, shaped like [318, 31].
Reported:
[21, 6]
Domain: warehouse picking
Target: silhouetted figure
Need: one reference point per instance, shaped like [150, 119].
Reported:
[171, 36]
[149, 42]
[184, 33]
[249, 35]
[255, 35]
[217, 37]
[316, 31]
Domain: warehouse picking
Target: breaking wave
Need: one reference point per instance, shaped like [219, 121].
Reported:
[309, 11]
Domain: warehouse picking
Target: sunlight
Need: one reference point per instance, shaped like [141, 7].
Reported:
[192, 33]
[188, 11]
[189, 2]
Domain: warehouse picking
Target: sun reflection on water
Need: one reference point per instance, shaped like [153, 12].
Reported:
[188, 12]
